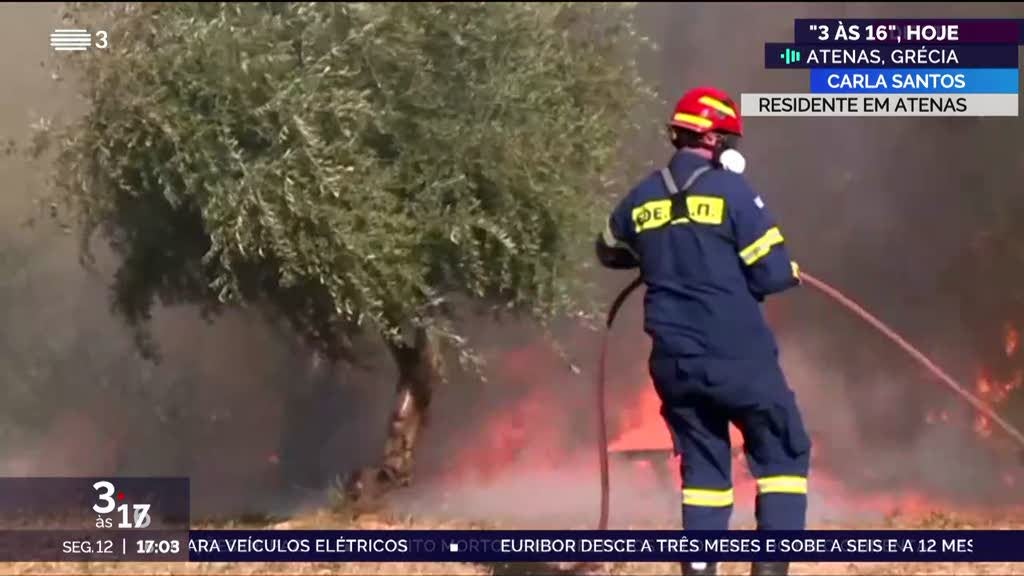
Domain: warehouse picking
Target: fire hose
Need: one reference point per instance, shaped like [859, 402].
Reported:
[831, 293]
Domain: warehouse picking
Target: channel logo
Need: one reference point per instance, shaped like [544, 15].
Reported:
[790, 56]
[70, 40]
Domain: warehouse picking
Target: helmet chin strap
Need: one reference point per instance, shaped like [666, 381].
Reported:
[725, 155]
[722, 153]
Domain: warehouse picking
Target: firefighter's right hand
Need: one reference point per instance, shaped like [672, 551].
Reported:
[796, 271]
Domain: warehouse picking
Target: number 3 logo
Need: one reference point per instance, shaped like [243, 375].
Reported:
[101, 42]
[106, 490]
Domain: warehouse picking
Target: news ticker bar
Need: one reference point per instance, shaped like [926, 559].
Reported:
[96, 545]
[780, 55]
[892, 105]
[516, 546]
[967, 81]
[901, 31]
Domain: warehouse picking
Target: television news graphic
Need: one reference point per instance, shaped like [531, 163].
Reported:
[605, 546]
[78, 40]
[862, 67]
[93, 519]
[904, 31]
[70, 40]
[790, 56]
[891, 56]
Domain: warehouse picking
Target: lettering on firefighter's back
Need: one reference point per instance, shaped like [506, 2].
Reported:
[654, 214]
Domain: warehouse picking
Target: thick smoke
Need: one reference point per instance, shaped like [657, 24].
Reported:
[886, 209]
[894, 211]
[244, 410]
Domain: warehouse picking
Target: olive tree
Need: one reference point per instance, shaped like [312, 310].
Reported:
[352, 167]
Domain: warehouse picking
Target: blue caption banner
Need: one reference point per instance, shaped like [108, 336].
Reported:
[605, 546]
[794, 56]
[933, 81]
[903, 31]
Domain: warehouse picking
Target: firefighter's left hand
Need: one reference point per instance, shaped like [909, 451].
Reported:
[796, 271]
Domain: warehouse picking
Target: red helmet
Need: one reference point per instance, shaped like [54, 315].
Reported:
[707, 109]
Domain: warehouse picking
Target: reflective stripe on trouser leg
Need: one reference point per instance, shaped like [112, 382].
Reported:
[782, 502]
[700, 434]
[707, 509]
[782, 485]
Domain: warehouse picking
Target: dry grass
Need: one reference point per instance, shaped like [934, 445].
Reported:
[325, 520]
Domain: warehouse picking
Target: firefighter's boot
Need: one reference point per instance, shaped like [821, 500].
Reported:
[699, 568]
[769, 569]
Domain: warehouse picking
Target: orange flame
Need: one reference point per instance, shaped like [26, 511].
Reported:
[512, 436]
[1015, 382]
[1011, 340]
[645, 428]
[983, 386]
[983, 426]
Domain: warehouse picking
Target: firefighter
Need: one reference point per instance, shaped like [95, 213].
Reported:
[709, 253]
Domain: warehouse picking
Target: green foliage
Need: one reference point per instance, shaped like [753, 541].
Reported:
[345, 164]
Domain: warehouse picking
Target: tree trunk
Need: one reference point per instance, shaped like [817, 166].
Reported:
[420, 369]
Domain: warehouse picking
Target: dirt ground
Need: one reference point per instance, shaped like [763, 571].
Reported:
[325, 520]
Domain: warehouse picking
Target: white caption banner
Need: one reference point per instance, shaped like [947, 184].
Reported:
[879, 105]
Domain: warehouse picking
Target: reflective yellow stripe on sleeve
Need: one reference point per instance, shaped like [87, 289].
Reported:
[707, 498]
[762, 246]
[782, 485]
[612, 242]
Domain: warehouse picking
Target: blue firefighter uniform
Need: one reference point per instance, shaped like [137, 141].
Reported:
[709, 253]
